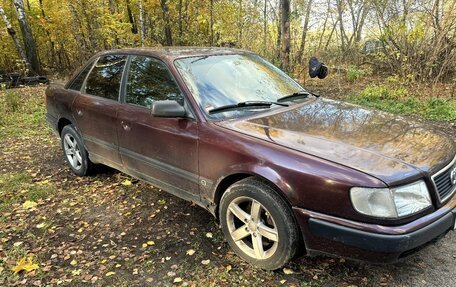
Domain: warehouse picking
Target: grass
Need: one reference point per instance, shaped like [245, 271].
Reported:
[16, 188]
[399, 101]
[22, 113]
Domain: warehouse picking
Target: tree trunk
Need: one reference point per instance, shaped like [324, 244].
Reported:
[285, 33]
[141, 22]
[279, 36]
[240, 24]
[53, 53]
[211, 22]
[78, 30]
[29, 41]
[180, 20]
[91, 23]
[131, 18]
[168, 35]
[341, 24]
[112, 6]
[13, 35]
[324, 25]
[304, 33]
[265, 25]
[331, 34]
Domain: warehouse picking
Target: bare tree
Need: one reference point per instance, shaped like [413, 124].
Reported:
[343, 36]
[27, 35]
[305, 27]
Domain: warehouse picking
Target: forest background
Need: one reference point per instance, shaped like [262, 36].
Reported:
[380, 53]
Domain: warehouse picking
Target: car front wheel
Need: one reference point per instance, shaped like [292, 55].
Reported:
[75, 154]
[258, 224]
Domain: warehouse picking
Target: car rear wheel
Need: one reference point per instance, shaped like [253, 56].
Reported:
[258, 224]
[73, 149]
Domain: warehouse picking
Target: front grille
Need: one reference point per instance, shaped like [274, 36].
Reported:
[442, 182]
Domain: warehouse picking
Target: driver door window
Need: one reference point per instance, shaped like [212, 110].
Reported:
[149, 80]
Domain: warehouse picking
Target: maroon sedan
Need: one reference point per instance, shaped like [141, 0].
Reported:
[285, 171]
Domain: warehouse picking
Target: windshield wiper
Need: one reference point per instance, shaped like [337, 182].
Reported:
[245, 104]
[297, 95]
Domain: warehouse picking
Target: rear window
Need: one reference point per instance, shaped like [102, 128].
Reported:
[104, 80]
[79, 80]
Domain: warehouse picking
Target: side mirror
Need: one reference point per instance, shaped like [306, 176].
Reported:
[168, 109]
[317, 69]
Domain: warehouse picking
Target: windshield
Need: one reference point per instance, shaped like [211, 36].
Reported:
[221, 80]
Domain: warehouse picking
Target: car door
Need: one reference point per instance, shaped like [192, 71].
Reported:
[96, 108]
[163, 151]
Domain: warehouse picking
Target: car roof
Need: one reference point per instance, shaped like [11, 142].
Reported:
[172, 53]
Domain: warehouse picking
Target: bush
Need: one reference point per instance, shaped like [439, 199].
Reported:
[12, 101]
[353, 73]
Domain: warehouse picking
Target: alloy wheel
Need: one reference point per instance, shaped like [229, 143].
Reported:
[72, 151]
[252, 228]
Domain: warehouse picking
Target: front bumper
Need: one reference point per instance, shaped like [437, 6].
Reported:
[368, 242]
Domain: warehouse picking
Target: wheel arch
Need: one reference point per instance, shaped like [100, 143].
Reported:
[232, 178]
[62, 123]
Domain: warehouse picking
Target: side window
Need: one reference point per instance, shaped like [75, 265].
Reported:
[104, 80]
[149, 80]
[79, 80]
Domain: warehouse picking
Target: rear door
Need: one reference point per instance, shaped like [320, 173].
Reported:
[161, 150]
[96, 109]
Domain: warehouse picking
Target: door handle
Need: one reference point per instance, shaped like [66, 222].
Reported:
[125, 126]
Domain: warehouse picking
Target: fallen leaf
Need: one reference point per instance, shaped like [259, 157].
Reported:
[41, 225]
[228, 268]
[283, 281]
[43, 182]
[205, 262]
[177, 280]
[74, 262]
[16, 244]
[110, 274]
[190, 252]
[150, 243]
[25, 264]
[126, 182]
[209, 235]
[288, 271]
[29, 204]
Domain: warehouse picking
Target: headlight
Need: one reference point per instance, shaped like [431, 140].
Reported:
[391, 202]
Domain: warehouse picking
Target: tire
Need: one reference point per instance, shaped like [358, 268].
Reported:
[74, 152]
[274, 231]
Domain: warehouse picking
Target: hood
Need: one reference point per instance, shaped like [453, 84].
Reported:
[383, 145]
